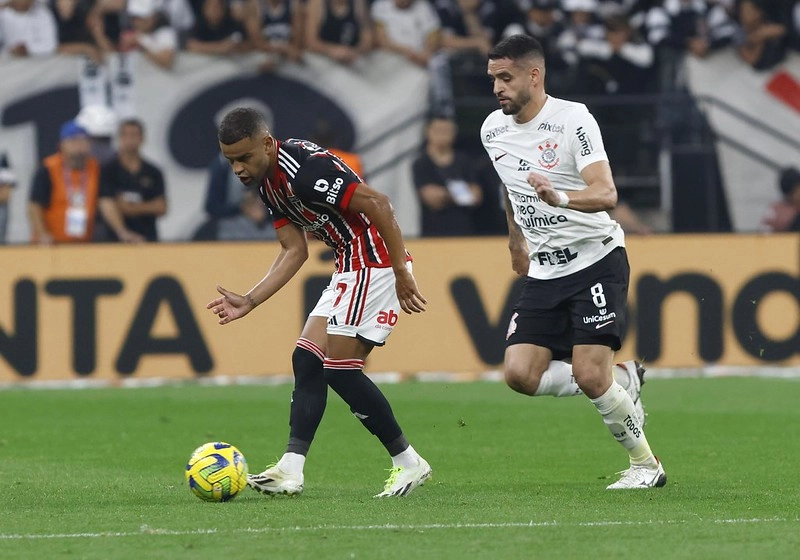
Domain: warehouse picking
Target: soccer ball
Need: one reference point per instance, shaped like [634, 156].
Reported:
[216, 472]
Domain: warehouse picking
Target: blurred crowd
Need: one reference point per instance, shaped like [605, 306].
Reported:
[97, 186]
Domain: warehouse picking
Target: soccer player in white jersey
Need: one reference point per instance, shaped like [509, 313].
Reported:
[549, 154]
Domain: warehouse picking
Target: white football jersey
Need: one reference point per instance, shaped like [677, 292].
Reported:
[558, 143]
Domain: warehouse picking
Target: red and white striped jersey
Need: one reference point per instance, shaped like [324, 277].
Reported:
[312, 189]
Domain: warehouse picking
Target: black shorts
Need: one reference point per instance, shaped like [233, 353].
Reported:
[587, 307]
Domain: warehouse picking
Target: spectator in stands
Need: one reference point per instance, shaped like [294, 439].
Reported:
[106, 21]
[498, 15]
[216, 31]
[78, 32]
[543, 20]
[224, 190]
[100, 123]
[794, 22]
[720, 27]
[180, 14]
[338, 29]
[634, 9]
[252, 222]
[581, 23]
[132, 185]
[409, 28]
[276, 28]
[7, 182]
[446, 184]
[489, 217]
[63, 199]
[674, 28]
[784, 215]
[465, 29]
[619, 62]
[761, 43]
[151, 34]
[27, 28]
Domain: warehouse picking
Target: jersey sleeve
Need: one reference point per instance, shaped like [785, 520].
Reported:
[279, 219]
[585, 140]
[323, 178]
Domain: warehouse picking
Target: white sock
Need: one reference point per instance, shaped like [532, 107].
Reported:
[292, 463]
[557, 381]
[407, 458]
[619, 414]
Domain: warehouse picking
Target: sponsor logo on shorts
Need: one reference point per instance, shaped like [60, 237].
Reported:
[387, 320]
[512, 325]
[605, 319]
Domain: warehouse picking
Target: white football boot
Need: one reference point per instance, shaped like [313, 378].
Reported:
[638, 477]
[274, 481]
[404, 480]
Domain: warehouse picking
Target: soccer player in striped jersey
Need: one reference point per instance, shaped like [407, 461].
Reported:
[309, 190]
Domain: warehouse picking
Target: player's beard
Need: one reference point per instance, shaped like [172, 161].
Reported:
[514, 106]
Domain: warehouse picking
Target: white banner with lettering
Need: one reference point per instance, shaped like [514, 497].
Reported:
[376, 108]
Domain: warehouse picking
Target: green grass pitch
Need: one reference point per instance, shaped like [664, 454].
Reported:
[99, 474]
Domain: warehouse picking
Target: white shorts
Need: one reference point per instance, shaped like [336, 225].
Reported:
[361, 304]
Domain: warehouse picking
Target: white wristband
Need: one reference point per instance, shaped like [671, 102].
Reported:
[563, 199]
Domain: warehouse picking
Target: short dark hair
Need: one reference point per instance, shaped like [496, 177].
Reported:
[132, 122]
[240, 123]
[517, 47]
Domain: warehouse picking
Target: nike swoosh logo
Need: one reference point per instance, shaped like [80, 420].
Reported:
[601, 325]
[504, 154]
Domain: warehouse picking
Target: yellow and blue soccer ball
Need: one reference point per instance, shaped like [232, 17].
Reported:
[216, 472]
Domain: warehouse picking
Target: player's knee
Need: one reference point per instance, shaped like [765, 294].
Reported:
[522, 376]
[592, 381]
[522, 372]
[307, 367]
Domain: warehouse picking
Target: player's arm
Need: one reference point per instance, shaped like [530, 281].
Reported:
[294, 252]
[520, 261]
[378, 208]
[599, 195]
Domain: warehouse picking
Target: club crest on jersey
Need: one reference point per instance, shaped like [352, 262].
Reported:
[547, 154]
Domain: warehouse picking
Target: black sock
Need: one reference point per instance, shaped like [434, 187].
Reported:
[309, 397]
[366, 401]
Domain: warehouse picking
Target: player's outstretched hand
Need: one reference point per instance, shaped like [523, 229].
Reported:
[230, 306]
[411, 301]
[543, 188]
